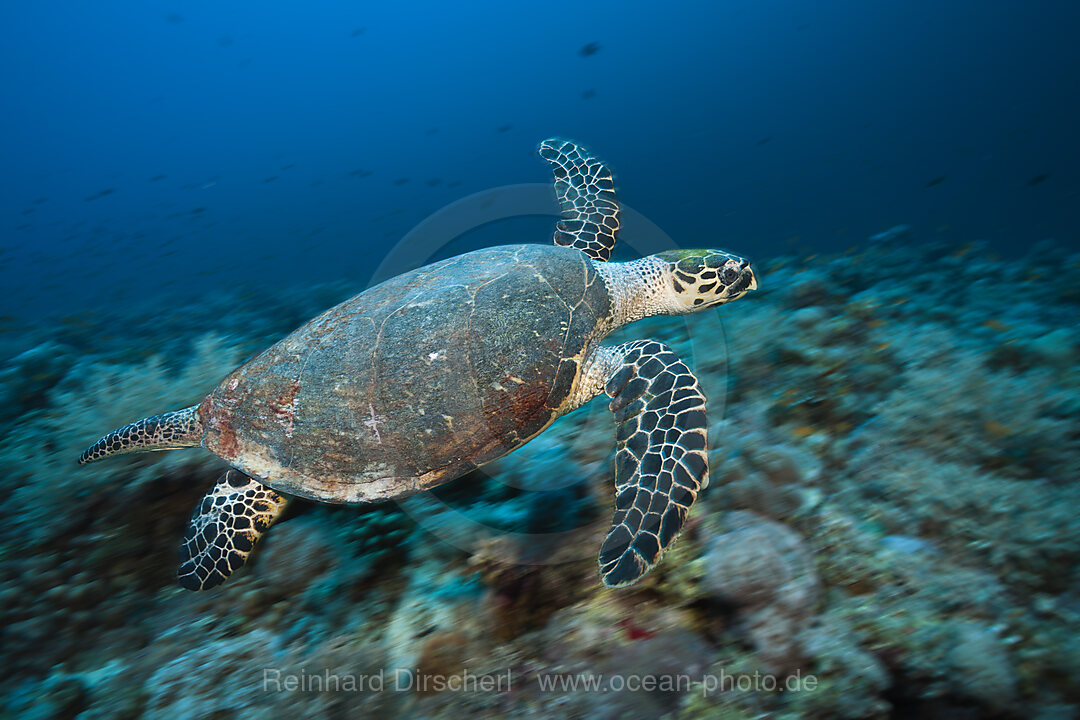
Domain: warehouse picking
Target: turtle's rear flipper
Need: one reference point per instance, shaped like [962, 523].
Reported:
[224, 529]
[661, 463]
[172, 430]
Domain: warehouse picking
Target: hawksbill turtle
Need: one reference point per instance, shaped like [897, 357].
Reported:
[433, 373]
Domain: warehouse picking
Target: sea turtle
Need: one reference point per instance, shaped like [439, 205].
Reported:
[435, 372]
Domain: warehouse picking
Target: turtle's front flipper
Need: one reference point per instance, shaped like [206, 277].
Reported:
[662, 461]
[172, 430]
[224, 529]
[586, 194]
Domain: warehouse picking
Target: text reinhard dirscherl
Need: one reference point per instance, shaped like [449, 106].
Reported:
[403, 679]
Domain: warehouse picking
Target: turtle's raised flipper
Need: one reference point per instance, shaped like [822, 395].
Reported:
[662, 461]
[224, 529]
[586, 194]
[172, 430]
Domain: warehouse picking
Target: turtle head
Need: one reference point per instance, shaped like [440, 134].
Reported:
[703, 278]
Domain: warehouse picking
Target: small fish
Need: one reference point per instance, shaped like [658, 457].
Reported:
[76, 320]
[764, 140]
[1039, 178]
[434, 182]
[589, 49]
[892, 233]
[270, 179]
[157, 178]
[100, 194]
[401, 181]
[358, 32]
[936, 181]
[359, 172]
[504, 128]
[588, 94]
[174, 18]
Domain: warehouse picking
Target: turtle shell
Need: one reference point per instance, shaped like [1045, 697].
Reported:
[416, 381]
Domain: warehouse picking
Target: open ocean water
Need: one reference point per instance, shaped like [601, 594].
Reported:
[890, 529]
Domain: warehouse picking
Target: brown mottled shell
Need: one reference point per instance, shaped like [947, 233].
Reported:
[415, 381]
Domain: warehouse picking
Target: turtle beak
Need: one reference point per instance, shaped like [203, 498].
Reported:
[747, 278]
[753, 277]
[743, 279]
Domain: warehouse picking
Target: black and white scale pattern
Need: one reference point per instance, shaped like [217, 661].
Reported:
[225, 528]
[168, 431]
[662, 460]
[586, 193]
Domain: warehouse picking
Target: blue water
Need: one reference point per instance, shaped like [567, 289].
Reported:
[892, 416]
[168, 148]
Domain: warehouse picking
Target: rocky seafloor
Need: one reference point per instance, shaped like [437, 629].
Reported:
[892, 524]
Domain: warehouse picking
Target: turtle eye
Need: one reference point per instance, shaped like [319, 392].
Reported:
[729, 275]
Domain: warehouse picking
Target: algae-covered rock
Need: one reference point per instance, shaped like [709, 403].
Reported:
[617, 643]
[980, 669]
[217, 676]
[764, 569]
[850, 682]
[26, 378]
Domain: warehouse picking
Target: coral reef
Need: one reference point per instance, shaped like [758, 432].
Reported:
[890, 529]
[763, 569]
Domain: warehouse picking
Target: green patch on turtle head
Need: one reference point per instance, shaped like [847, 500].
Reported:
[704, 278]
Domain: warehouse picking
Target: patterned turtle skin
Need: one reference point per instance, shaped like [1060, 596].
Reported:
[415, 381]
